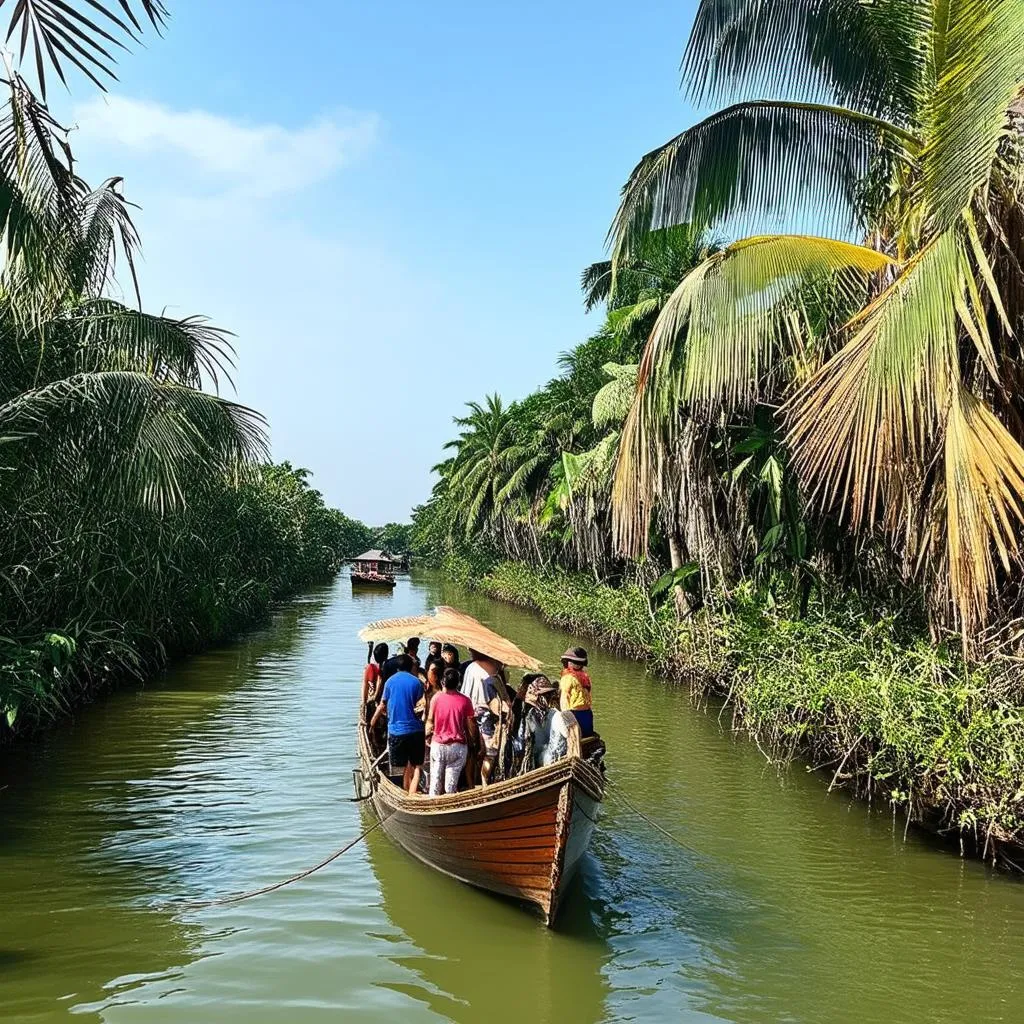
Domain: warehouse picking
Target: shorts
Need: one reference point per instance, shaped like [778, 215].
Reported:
[407, 748]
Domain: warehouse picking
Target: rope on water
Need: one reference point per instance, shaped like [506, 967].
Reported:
[238, 897]
[650, 821]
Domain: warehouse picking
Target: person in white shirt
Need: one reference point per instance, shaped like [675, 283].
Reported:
[478, 684]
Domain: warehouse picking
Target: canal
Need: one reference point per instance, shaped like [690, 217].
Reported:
[782, 903]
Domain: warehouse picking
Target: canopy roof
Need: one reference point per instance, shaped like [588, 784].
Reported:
[373, 555]
[451, 626]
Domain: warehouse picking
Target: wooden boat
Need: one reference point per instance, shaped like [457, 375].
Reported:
[522, 837]
[372, 579]
[373, 569]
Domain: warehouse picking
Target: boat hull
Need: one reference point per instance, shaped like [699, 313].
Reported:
[362, 580]
[522, 838]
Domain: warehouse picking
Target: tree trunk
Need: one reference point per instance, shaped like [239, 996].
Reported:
[675, 553]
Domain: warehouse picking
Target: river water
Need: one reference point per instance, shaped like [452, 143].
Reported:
[783, 903]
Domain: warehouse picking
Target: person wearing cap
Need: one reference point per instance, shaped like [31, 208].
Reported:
[574, 689]
[542, 731]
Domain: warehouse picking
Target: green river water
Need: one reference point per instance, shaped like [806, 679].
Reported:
[785, 904]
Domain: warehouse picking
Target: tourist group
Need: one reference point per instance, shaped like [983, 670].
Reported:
[452, 725]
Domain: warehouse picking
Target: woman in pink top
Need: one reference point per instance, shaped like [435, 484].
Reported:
[451, 727]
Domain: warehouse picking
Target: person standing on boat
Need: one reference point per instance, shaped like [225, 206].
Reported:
[451, 729]
[434, 656]
[450, 654]
[406, 739]
[478, 684]
[372, 682]
[574, 689]
[412, 648]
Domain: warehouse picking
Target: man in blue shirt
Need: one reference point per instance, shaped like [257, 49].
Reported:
[406, 740]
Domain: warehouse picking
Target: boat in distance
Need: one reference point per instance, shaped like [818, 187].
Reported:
[373, 568]
[522, 837]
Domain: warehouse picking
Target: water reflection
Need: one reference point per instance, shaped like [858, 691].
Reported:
[486, 957]
[87, 838]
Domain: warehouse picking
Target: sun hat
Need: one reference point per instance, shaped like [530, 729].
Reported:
[538, 689]
[577, 654]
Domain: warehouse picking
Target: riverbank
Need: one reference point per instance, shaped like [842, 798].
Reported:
[881, 710]
[83, 610]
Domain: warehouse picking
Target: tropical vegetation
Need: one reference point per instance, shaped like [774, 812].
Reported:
[798, 430]
[142, 518]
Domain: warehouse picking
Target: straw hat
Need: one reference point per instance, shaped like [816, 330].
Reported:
[577, 654]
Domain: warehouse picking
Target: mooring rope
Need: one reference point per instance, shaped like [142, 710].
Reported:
[650, 821]
[238, 897]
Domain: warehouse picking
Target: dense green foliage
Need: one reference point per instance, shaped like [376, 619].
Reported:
[141, 519]
[875, 705]
[792, 463]
[92, 597]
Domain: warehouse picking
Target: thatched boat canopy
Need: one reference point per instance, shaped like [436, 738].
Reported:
[374, 555]
[450, 626]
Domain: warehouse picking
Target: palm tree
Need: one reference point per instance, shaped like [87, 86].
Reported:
[79, 33]
[635, 288]
[490, 464]
[93, 394]
[895, 357]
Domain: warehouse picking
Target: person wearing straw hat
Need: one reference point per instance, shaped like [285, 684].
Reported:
[574, 689]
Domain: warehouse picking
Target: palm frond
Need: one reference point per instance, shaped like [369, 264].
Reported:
[131, 437]
[779, 160]
[39, 191]
[734, 312]
[79, 33]
[110, 336]
[984, 486]
[611, 404]
[875, 404]
[105, 230]
[865, 55]
[596, 283]
[968, 112]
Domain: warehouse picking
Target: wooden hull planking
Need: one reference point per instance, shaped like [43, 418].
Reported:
[522, 838]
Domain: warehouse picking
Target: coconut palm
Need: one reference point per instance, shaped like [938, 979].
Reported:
[890, 122]
[490, 463]
[94, 394]
[84, 34]
[635, 288]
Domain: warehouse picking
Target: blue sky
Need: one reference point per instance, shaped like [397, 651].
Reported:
[389, 204]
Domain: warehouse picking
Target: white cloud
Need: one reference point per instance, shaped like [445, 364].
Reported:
[323, 311]
[228, 157]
